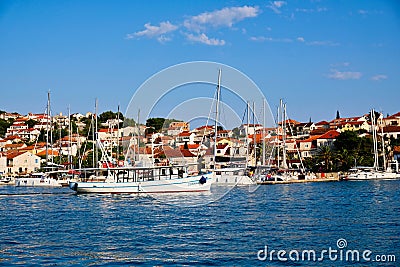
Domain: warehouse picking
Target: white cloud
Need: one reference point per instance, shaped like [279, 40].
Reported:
[276, 6]
[311, 10]
[219, 18]
[163, 39]
[322, 43]
[258, 38]
[154, 31]
[270, 39]
[204, 39]
[344, 75]
[379, 77]
[300, 39]
[369, 12]
[341, 64]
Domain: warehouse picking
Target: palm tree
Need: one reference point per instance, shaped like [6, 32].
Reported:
[325, 154]
[344, 159]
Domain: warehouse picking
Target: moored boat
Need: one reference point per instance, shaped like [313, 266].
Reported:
[37, 179]
[232, 177]
[157, 179]
[362, 174]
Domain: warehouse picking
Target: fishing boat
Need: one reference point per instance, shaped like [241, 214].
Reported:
[157, 179]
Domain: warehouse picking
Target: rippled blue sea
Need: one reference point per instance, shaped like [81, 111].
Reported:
[56, 227]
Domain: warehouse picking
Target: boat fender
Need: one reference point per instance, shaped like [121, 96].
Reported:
[73, 186]
[203, 180]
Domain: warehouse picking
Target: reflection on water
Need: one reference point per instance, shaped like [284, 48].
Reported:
[44, 226]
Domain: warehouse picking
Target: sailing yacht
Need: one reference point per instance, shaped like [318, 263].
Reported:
[46, 179]
[373, 173]
[266, 174]
[234, 176]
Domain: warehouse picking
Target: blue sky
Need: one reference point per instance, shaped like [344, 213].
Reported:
[319, 56]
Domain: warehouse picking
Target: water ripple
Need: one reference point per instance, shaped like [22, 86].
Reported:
[47, 227]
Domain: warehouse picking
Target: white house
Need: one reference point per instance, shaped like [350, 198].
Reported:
[3, 164]
[185, 137]
[22, 163]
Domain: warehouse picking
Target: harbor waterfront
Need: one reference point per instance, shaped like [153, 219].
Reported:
[54, 226]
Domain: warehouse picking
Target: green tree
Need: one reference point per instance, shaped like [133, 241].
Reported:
[4, 124]
[325, 154]
[359, 149]
[155, 123]
[31, 123]
[109, 115]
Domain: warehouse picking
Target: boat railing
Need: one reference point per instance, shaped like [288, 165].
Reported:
[133, 174]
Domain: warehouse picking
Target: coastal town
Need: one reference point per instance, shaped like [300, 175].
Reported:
[30, 143]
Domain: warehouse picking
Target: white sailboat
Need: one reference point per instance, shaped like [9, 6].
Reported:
[237, 176]
[373, 173]
[46, 179]
[283, 172]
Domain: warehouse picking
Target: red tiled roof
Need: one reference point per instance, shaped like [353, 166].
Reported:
[49, 152]
[190, 146]
[186, 133]
[322, 123]
[178, 153]
[14, 154]
[332, 134]
[14, 145]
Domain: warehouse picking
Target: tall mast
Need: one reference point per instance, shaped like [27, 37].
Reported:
[95, 137]
[383, 143]
[278, 114]
[254, 135]
[69, 137]
[138, 137]
[216, 118]
[118, 134]
[247, 133]
[93, 142]
[263, 134]
[376, 164]
[47, 127]
[284, 137]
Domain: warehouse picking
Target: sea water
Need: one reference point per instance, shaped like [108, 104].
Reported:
[313, 224]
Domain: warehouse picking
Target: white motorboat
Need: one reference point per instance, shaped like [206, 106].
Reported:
[158, 179]
[232, 177]
[362, 174]
[37, 179]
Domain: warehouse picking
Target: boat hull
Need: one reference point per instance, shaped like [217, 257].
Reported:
[198, 183]
[363, 176]
[233, 180]
[37, 182]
